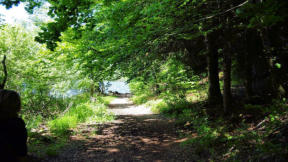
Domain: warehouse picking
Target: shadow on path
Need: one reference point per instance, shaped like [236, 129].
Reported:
[134, 137]
[119, 106]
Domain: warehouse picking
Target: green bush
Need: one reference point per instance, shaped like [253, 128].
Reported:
[141, 92]
[138, 88]
[160, 107]
[141, 99]
[32, 121]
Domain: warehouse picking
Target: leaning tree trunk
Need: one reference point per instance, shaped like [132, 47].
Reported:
[214, 93]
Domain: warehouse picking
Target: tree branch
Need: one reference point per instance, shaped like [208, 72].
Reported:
[2, 85]
[222, 13]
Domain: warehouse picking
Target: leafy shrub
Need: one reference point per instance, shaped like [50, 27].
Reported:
[141, 99]
[160, 107]
[32, 121]
[142, 92]
[138, 88]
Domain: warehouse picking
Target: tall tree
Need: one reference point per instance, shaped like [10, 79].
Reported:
[214, 94]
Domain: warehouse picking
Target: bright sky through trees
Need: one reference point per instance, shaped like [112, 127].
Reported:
[15, 15]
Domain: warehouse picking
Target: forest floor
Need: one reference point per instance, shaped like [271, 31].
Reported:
[135, 135]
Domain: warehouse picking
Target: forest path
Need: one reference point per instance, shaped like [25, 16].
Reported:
[135, 135]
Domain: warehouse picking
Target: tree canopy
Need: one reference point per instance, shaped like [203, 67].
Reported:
[228, 54]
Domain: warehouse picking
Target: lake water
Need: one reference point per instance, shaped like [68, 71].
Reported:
[119, 86]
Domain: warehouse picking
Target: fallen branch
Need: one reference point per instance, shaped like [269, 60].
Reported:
[2, 85]
[259, 124]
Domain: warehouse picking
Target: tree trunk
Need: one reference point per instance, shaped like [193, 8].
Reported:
[227, 96]
[214, 93]
[248, 81]
[250, 59]
[228, 39]
[272, 41]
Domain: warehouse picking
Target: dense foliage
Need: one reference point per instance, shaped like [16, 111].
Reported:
[236, 51]
[133, 37]
[46, 81]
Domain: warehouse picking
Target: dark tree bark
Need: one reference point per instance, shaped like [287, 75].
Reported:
[259, 80]
[250, 59]
[214, 93]
[248, 80]
[227, 96]
[272, 42]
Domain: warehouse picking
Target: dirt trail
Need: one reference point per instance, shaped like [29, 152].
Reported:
[136, 135]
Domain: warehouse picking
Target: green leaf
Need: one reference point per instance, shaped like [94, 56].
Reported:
[278, 65]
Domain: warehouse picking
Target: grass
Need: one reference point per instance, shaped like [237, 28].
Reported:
[45, 145]
[47, 139]
[108, 99]
[79, 114]
[62, 125]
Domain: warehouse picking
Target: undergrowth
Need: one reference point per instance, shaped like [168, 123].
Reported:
[142, 93]
[232, 139]
[251, 133]
[52, 134]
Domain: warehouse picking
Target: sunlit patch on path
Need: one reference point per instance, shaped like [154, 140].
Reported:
[123, 106]
[136, 135]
